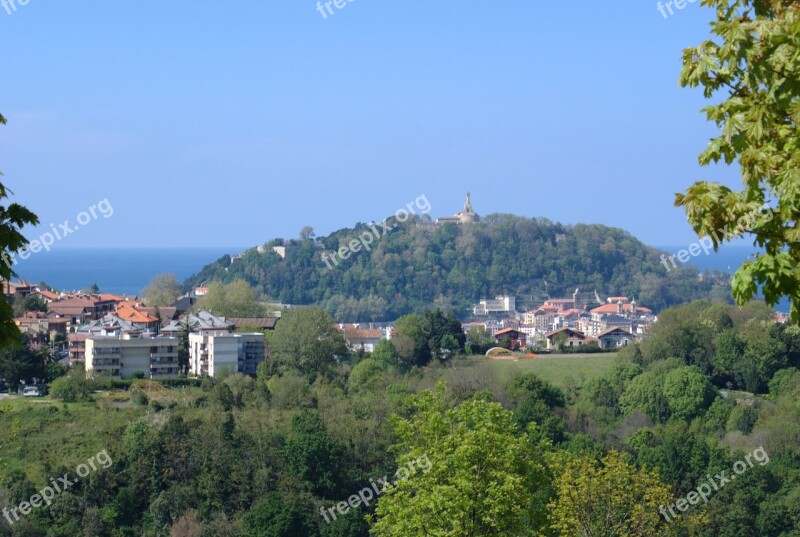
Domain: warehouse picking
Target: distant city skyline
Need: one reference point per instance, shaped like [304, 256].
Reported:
[210, 126]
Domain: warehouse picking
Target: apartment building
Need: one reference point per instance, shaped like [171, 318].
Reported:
[500, 304]
[126, 355]
[210, 353]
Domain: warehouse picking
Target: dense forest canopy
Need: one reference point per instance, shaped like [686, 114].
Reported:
[419, 263]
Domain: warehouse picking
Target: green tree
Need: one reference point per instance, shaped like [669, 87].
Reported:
[316, 458]
[13, 218]
[385, 352]
[271, 516]
[19, 362]
[688, 392]
[482, 478]
[186, 327]
[645, 394]
[307, 341]
[163, 290]
[235, 299]
[365, 376]
[609, 498]
[751, 68]
[71, 388]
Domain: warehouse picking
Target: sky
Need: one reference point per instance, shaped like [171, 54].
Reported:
[213, 124]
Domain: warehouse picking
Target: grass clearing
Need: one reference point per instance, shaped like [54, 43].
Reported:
[558, 369]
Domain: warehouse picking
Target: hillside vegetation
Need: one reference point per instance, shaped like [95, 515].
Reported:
[454, 266]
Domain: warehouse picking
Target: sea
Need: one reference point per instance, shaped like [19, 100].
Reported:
[727, 259]
[129, 270]
[115, 270]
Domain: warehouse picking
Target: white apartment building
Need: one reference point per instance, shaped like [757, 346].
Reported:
[210, 353]
[122, 357]
[504, 304]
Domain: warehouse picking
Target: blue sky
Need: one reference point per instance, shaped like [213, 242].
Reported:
[216, 123]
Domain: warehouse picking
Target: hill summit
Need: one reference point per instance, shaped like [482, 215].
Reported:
[411, 263]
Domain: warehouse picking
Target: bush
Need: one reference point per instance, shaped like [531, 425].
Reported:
[71, 388]
[743, 418]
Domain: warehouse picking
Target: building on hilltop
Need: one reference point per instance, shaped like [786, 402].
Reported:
[465, 216]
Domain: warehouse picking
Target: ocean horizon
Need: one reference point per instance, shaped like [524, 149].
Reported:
[115, 270]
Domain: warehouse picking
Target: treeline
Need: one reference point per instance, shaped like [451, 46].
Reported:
[420, 264]
[272, 455]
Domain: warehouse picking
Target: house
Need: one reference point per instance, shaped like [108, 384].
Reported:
[203, 322]
[164, 313]
[139, 319]
[618, 313]
[559, 304]
[517, 338]
[565, 337]
[35, 325]
[544, 318]
[209, 353]
[615, 338]
[124, 356]
[184, 304]
[21, 288]
[361, 339]
[46, 296]
[81, 309]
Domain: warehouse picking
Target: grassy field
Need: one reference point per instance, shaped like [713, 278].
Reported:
[558, 369]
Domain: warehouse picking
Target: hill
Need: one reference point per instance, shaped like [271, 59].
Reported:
[418, 264]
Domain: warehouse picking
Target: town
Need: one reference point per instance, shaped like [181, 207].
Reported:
[118, 336]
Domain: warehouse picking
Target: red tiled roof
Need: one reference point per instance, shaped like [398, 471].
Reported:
[362, 333]
[508, 331]
[133, 315]
[613, 308]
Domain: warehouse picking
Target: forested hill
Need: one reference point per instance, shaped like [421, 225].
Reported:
[419, 264]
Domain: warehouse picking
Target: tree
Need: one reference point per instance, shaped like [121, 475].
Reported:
[609, 498]
[688, 392]
[481, 479]
[235, 299]
[307, 233]
[71, 388]
[752, 72]
[163, 290]
[186, 327]
[18, 362]
[385, 352]
[316, 458]
[306, 340]
[271, 516]
[645, 394]
[419, 337]
[12, 219]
